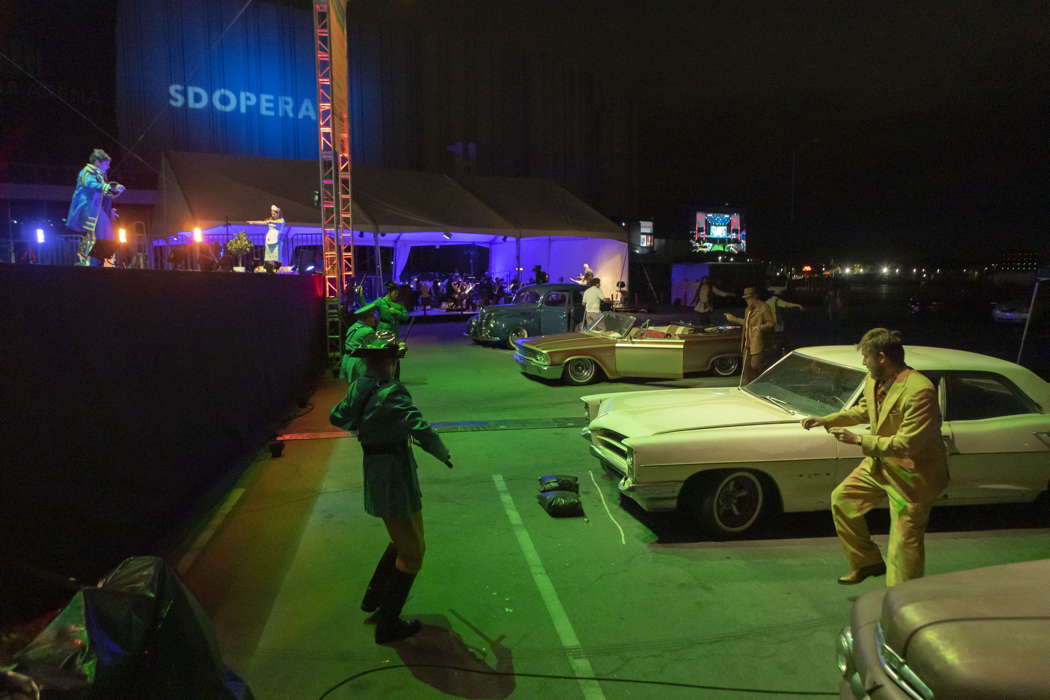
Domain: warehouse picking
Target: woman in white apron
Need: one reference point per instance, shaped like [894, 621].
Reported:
[271, 254]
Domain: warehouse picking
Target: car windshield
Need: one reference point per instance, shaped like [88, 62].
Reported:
[807, 385]
[526, 296]
[613, 325]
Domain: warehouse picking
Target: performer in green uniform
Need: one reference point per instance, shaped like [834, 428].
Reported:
[360, 334]
[380, 409]
[391, 312]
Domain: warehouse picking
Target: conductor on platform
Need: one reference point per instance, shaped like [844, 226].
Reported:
[380, 409]
[91, 209]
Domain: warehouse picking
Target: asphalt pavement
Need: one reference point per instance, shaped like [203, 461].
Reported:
[281, 563]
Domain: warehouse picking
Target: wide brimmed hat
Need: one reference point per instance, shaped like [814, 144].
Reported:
[379, 347]
[365, 310]
[749, 292]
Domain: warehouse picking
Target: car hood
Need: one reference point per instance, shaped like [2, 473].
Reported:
[567, 341]
[983, 633]
[644, 413]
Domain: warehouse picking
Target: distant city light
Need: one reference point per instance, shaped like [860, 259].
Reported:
[40, 235]
[807, 268]
[310, 268]
[197, 236]
[885, 270]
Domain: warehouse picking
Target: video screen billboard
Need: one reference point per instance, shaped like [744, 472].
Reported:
[717, 232]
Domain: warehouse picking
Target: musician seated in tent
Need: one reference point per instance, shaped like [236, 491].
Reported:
[91, 209]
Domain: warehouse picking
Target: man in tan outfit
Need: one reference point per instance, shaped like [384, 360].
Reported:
[904, 462]
[756, 339]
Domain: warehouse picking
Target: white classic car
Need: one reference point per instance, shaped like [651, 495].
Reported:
[730, 454]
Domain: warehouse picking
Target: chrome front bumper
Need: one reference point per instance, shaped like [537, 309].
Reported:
[529, 366]
[655, 497]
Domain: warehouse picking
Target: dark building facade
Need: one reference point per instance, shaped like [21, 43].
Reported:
[430, 90]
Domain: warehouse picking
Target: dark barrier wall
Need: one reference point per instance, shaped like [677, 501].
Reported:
[127, 393]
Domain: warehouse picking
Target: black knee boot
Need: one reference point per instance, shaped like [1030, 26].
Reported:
[390, 627]
[378, 584]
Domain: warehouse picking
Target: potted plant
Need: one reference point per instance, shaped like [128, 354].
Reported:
[238, 246]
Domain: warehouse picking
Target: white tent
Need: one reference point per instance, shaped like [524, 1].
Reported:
[522, 221]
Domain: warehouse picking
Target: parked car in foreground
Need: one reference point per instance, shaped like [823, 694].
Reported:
[617, 345]
[981, 634]
[730, 454]
[540, 309]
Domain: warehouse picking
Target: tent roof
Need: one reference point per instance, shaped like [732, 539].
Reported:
[205, 190]
[539, 207]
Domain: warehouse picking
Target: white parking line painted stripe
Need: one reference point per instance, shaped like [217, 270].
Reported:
[623, 538]
[188, 559]
[581, 665]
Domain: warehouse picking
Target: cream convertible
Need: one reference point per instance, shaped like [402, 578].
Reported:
[729, 454]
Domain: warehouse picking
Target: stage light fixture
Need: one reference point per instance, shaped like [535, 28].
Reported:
[447, 236]
[310, 268]
[40, 235]
[122, 235]
[197, 236]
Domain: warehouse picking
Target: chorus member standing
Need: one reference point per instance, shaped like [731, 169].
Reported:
[391, 312]
[92, 205]
[380, 410]
[904, 462]
[756, 340]
[360, 334]
[592, 303]
[274, 225]
[703, 301]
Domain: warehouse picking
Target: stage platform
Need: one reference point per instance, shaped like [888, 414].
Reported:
[130, 393]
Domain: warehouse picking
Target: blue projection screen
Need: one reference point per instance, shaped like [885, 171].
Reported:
[183, 84]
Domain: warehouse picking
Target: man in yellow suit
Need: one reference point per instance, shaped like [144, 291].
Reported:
[904, 462]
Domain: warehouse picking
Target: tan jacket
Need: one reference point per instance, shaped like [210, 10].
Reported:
[757, 335]
[905, 443]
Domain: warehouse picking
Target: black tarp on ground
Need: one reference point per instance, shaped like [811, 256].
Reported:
[137, 634]
[127, 393]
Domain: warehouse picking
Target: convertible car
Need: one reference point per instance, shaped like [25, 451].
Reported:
[616, 345]
[730, 454]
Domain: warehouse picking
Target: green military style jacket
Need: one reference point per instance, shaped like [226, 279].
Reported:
[391, 315]
[358, 335]
[383, 415]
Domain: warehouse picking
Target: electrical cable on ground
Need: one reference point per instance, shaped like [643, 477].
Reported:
[669, 684]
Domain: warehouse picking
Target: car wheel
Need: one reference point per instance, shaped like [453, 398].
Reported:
[516, 334]
[729, 504]
[726, 366]
[580, 371]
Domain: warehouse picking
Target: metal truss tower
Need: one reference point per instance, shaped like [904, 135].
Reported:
[334, 160]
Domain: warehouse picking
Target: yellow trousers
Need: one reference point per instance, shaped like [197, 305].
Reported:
[853, 498]
[407, 536]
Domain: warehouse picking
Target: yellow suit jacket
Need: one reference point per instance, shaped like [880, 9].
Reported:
[756, 336]
[905, 444]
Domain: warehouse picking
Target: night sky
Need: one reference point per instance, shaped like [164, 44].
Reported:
[920, 127]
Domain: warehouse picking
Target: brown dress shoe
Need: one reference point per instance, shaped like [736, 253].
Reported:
[855, 577]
